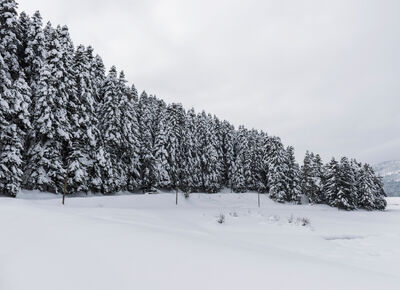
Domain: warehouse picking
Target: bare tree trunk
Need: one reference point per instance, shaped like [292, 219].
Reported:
[176, 198]
[65, 183]
[258, 199]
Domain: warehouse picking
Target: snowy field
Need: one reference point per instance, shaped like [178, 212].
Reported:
[147, 242]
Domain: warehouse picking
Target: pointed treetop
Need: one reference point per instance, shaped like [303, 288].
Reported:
[113, 72]
[122, 76]
[143, 95]
[37, 15]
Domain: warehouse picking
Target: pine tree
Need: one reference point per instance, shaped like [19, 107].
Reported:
[111, 116]
[227, 146]
[23, 28]
[317, 169]
[365, 187]
[14, 123]
[306, 176]
[161, 153]
[83, 122]
[293, 176]
[99, 157]
[133, 94]
[242, 169]
[209, 161]
[97, 74]
[257, 181]
[371, 195]
[252, 171]
[380, 201]
[260, 167]
[34, 53]
[278, 171]
[330, 185]
[147, 160]
[216, 127]
[9, 40]
[32, 56]
[175, 116]
[131, 136]
[46, 156]
[346, 196]
[191, 174]
[311, 177]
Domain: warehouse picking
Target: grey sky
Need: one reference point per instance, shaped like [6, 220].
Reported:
[322, 75]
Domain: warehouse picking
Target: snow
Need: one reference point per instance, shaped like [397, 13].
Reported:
[147, 242]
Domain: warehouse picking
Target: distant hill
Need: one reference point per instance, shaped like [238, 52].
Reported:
[390, 171]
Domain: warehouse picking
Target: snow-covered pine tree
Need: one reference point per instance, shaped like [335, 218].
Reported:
[97, 74]
[346, 197]
[186, 182]
[227, 143]
[365, 188]
[34, 54]
[258, 180]
[311, 177]
[35, 50]
[9, 38]
[99, 159]
[14, 123]
[317, 169]
[83, 123]
[46, 156]
[161, 153]
[217, 129]
[293, 176]
[278, 171]
[238, 182]
[191, 169]
[133, 94]
[110, 125]
[242, 161]
[252, 172]
[147, 160]
[175, 121]
[330, 186]
[74, 156]
[14, 100]
[209, 162]
[24, 25]
[307, 184]
[259, 167]
[131, 134]
[266, 151]
[100, 162]
[380, 201]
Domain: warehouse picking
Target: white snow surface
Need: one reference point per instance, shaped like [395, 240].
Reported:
[147, 242]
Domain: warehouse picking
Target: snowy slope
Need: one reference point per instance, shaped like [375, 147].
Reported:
[390, 171]
[146, 242]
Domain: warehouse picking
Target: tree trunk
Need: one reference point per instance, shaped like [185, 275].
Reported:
[65, 184]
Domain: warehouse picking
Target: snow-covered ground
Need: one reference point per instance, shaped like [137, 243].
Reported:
[147, 242]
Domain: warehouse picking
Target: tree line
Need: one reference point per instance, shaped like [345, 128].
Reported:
[61, 114]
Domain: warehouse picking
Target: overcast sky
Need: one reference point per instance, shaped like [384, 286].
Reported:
[322, 75]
